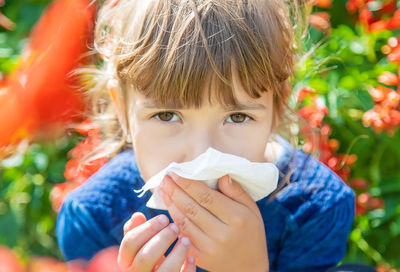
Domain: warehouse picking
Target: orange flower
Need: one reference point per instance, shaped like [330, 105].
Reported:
[320, 21]
[388, 78]
[378, 26]
[379, 93]
[326, 4]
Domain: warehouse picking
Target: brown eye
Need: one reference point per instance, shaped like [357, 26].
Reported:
[167, 116]
[238, 118]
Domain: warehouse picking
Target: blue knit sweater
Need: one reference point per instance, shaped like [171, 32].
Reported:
[306, 223]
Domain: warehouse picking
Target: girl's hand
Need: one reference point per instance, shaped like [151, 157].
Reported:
[145, 242]
[226, 228]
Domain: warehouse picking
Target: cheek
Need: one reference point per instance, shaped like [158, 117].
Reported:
[249, 143]
[153, 150]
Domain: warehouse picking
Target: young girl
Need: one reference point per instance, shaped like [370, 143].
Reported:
[182, 76]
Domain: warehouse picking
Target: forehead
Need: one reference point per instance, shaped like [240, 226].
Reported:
[242, 101]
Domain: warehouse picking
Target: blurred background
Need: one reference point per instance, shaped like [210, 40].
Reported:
[346, 88]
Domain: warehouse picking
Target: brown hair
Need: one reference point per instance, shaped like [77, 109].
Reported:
[179, 51]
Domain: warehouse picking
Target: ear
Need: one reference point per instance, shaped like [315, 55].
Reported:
[119, 104]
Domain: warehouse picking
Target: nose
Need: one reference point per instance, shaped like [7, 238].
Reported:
[198, 141]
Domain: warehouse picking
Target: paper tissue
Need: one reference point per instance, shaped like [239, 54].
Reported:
[258, 179]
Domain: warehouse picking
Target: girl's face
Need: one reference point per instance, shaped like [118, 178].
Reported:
[164, 135]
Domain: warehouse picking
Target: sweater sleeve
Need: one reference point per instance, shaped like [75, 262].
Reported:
[92, 216]
[317, 209]
[78, 234]
[325, 245]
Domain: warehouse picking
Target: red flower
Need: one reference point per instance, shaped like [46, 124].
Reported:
[394, 22]
[359, 184]
[314, 113]
[363, 199]
[377, 203]
[39, 91]
[87, 127]
[365, 202]
[388, 7]
[366, 16]
[17, 121]
[56, 45]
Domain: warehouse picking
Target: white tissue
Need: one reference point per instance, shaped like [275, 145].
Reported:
[256, 178]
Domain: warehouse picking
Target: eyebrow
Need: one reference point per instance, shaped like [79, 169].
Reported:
[238, 107]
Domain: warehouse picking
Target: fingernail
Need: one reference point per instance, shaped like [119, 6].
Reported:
[174, 227]
[190, 259]
[163, 220]
[185, 241]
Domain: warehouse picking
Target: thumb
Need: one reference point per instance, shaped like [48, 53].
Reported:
[137, 219]
[234, 190]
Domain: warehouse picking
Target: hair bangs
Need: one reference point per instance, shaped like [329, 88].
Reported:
[189, 54]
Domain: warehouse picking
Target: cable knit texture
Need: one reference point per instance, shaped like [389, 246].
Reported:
[306, 223]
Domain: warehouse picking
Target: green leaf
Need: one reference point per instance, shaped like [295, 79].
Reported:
[10, 229]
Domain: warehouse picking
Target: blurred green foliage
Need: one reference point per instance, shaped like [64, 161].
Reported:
[27, 219]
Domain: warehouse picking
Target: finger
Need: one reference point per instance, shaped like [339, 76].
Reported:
[137, 237]
[149, 255]
[189, 265]
[176, 258]
[217, 203]
[159, 263]
[200, 240]
[199, 215]
[137, 219]
[233, 190]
